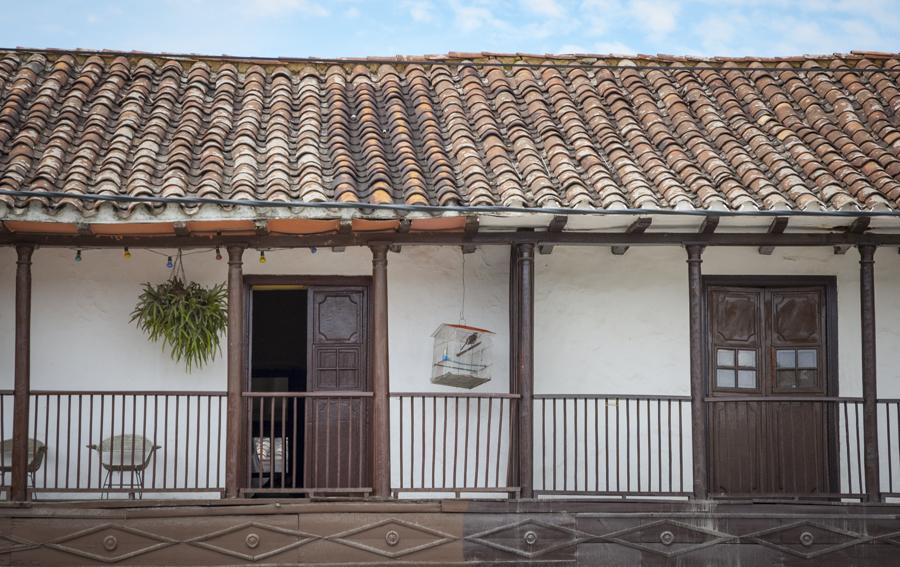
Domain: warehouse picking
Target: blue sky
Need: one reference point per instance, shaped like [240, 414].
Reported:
[341, 28]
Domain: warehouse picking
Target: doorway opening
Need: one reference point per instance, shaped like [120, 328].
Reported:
[278, 365]
[307, 400]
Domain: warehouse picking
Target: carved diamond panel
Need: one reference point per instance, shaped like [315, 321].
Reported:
[110, 543]
[892, 538]
[807, 539]
[668, 538]
[252, 541]
[10, 543]
[392, 538]
[530, 538]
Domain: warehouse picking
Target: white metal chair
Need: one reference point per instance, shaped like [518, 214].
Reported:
[266, 464]
[126, 455]
[37, 451]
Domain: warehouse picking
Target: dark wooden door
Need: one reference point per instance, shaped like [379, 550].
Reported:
[336, 432]
[767, 365]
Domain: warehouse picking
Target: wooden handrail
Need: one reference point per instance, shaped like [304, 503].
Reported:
[335, 394]
[127, 393]
[494, 395]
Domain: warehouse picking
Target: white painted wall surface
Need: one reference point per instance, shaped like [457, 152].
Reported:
[604, 323]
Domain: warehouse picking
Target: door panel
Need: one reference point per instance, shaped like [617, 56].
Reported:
[338, 333]
[767, 342]
[337, 445]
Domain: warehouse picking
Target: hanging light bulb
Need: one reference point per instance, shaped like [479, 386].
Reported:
[169, 263]
[313, 249]
[262, 256]
[126, 253]
[78, 255]
[218, 253]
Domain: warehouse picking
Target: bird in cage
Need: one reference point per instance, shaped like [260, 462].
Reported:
[462, 356]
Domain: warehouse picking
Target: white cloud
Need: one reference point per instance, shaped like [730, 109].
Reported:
[717, 32]
[420, 10]
[658, 17]
[546, 8]
[572, 48]
[613, 48]
[472, 17]
[279, 7]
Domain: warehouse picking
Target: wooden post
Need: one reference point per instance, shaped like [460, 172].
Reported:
[525, 365]
[22, 388]
[234, 442]
[512, 476]
[381, 446]
[698, 389]
[869, 389]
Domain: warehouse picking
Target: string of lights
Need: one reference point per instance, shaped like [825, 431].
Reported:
[170, 258]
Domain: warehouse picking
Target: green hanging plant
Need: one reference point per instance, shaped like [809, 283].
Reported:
[186, 316]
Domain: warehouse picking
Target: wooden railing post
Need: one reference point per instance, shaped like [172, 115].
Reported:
[381, 447]
[869, 389]
[22, 377]
[234, 444]
[698, 389]
[523, 307]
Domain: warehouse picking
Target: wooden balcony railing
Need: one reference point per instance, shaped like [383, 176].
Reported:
[605, 445]
[452, 443]
[312, 443]
[813, 445]
[889, 439]
[6, 415]
[318, 443]
[128, 442]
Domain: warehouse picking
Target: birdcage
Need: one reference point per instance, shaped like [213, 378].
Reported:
[462, 356]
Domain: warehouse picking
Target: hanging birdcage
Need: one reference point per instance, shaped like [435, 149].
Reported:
[462, 356]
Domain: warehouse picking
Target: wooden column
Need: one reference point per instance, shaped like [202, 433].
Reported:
[22, 377]
[869, 389]
[524, 360]
[698, 388]
[381, 443]
[234, 442]
[512, 474]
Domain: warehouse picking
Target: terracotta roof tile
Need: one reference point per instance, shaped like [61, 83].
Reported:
[475, 129]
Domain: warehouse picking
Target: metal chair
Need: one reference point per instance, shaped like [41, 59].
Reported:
[125, 454]
[265, 463]
[37, 451]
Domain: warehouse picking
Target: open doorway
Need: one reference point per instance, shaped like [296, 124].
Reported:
[278, 365]
[308, 400]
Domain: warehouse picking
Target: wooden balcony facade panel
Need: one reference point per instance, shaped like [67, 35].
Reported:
[449, 533]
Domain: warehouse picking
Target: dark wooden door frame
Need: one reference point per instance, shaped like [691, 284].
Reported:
[251, 280]
[829, 283]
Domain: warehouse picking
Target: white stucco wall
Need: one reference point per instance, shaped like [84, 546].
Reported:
[604, 323]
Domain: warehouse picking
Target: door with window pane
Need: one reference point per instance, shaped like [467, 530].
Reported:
[768, 434]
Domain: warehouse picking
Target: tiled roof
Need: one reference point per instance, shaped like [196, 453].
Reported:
[466, 129]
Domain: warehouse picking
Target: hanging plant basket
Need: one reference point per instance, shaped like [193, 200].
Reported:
[188, 318]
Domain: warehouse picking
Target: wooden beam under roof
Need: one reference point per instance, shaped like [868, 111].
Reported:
[777, 226]
[709, 224]
[469, 232]
[402, 228]
[345, 228]
[639, 226]
[557, 224]
[455, 238]
[262, 227]
[858, 226]
[181, 229]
